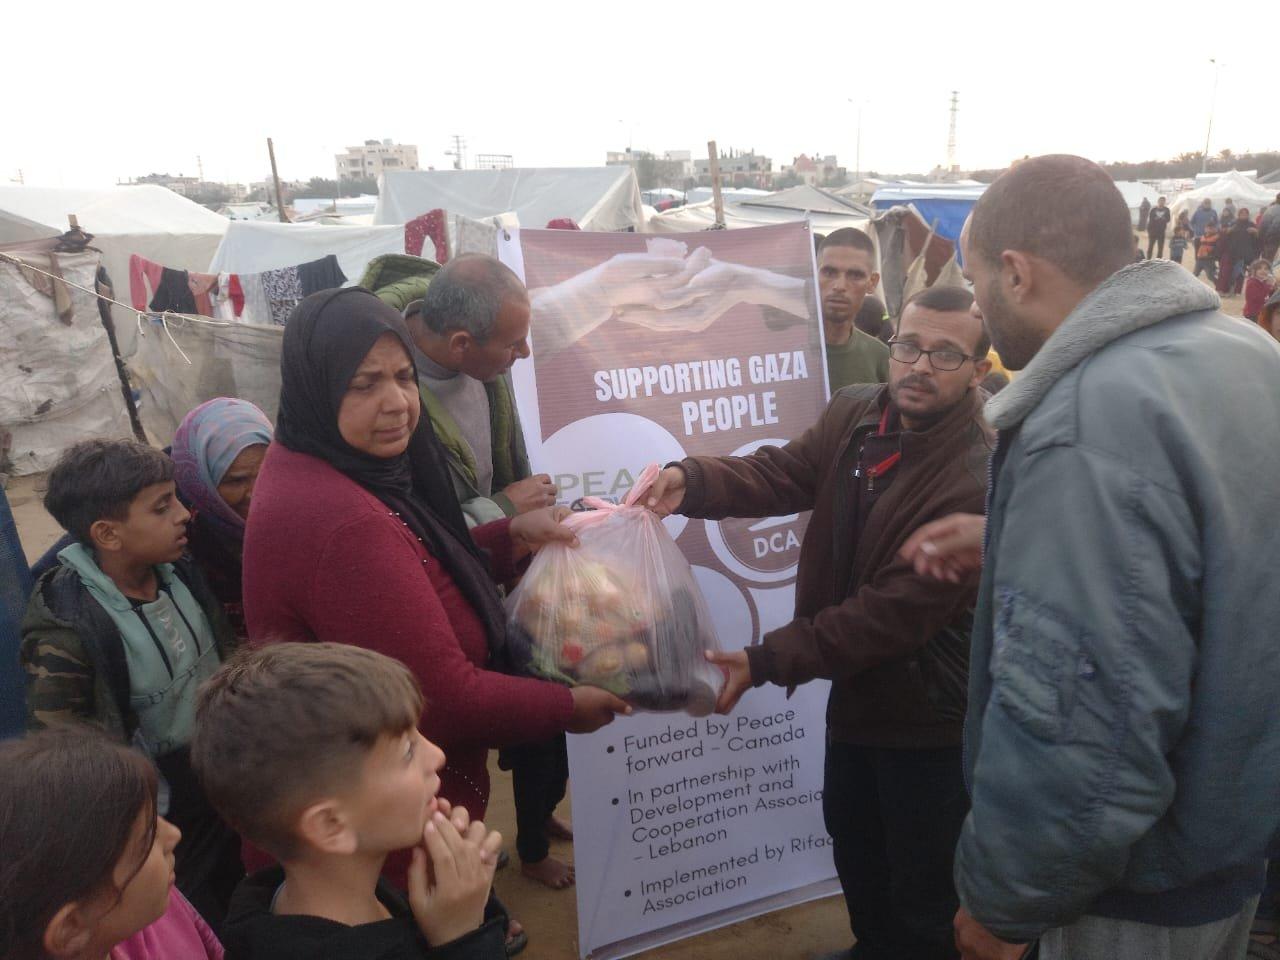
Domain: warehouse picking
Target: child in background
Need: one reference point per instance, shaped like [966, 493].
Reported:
[1207, 254]
[86, 865]
[1257, 288]
[312, 752]
[1182, 237]
[120, 633]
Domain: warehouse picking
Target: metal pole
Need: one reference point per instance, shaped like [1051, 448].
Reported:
[276, 178]
[1213, 102]
[713, 167]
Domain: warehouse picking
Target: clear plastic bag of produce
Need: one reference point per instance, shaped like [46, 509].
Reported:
[622, 611]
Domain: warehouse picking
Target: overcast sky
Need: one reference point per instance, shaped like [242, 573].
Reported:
[117, 90]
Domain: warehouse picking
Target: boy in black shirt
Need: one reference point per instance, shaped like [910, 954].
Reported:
[312, 751]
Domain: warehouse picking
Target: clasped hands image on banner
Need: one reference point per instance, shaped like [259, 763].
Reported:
[646, 351]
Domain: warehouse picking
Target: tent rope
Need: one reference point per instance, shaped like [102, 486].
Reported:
[162, 315]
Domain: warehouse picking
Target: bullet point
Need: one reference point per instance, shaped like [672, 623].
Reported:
[615, 801]
[608, 750]
[626, 893]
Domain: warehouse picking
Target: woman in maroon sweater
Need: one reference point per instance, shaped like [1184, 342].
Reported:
[356, 537]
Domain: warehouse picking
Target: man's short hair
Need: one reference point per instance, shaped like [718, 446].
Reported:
[467, 293]
[98, 480]
[1060, 208]
[282, 726]
[849, 237]
[946, 298]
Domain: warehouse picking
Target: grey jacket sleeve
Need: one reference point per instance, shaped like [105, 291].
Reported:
[1090, 671]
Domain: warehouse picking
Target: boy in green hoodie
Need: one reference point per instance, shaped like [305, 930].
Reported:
[123, 630]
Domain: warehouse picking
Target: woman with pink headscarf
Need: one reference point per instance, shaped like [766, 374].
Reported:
[217, 452]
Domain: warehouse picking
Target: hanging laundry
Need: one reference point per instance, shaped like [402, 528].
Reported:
[431, 224]
[141, 272]
[283, 289]
[322, 274]
[203, 288]
[257, 308]
[173, 295]
[228, 298]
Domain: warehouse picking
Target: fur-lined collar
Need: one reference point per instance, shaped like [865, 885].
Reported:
[1138, 296]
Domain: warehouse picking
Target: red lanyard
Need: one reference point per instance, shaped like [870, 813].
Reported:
[889, 462]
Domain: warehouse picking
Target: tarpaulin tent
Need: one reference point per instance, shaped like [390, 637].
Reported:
[148, 220]
[596, 198]
[252, 246]
[948, 204]
[58, 377]
[1234, 185]
[824, 210]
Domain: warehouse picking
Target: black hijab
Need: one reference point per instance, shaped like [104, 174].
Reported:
[325, 341]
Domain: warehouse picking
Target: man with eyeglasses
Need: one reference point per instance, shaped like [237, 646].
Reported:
[882, 461]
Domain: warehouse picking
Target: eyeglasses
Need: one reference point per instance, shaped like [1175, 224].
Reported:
[905, 351]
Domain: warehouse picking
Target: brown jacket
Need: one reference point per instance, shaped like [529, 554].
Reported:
[895, 645]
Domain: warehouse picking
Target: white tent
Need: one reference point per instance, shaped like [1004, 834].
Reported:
[1233, 185]
[251, 246]
[596, 198]
[1134, 192]
[824, 210]
[151, 221]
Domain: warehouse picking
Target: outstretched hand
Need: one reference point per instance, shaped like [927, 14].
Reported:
[532, 531]
[737, 677]
[948, 549]
[667, 493]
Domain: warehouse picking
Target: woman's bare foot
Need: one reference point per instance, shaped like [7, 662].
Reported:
[558, 829]
[554, 873]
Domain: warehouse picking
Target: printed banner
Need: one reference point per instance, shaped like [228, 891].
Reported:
[649, 350]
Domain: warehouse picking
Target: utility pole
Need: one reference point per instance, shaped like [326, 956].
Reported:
[713, 167]
[458, 152]
[276, 178]
[1213, 102]
[200, 167]
[857, 162]
[952, 166]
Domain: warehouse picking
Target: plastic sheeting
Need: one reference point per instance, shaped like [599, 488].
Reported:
[947, 205]
[151, 221]
[702, 216]
[596, 198]
[252, 246]
[58, 382]
[183, 361]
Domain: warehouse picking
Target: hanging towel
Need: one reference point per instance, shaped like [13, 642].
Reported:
[204, 286]
[257, 309]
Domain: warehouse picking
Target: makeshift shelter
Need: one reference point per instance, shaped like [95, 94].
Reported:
[1244, 192]
[947, 204]
[58, 378]
[596, 198]
[148, 220]
[252, 246]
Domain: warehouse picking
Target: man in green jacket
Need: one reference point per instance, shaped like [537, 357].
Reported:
[469, 329]
[1123, 742]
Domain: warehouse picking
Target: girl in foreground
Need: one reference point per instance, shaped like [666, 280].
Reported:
[86, 864]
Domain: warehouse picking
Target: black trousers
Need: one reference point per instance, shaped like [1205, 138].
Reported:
[895, 817]
[539, 778]
[1155, 240]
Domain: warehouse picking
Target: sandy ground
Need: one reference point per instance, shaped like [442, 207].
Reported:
[550, 916]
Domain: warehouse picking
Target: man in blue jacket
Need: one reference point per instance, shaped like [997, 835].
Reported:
[1123, 743]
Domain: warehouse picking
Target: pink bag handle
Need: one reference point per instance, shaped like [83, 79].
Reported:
[604, 508]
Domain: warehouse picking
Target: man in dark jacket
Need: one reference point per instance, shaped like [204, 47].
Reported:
[880, 462]
[1122, 744]
[1157, 225]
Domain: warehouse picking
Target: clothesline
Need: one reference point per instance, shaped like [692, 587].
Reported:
[163, 315]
